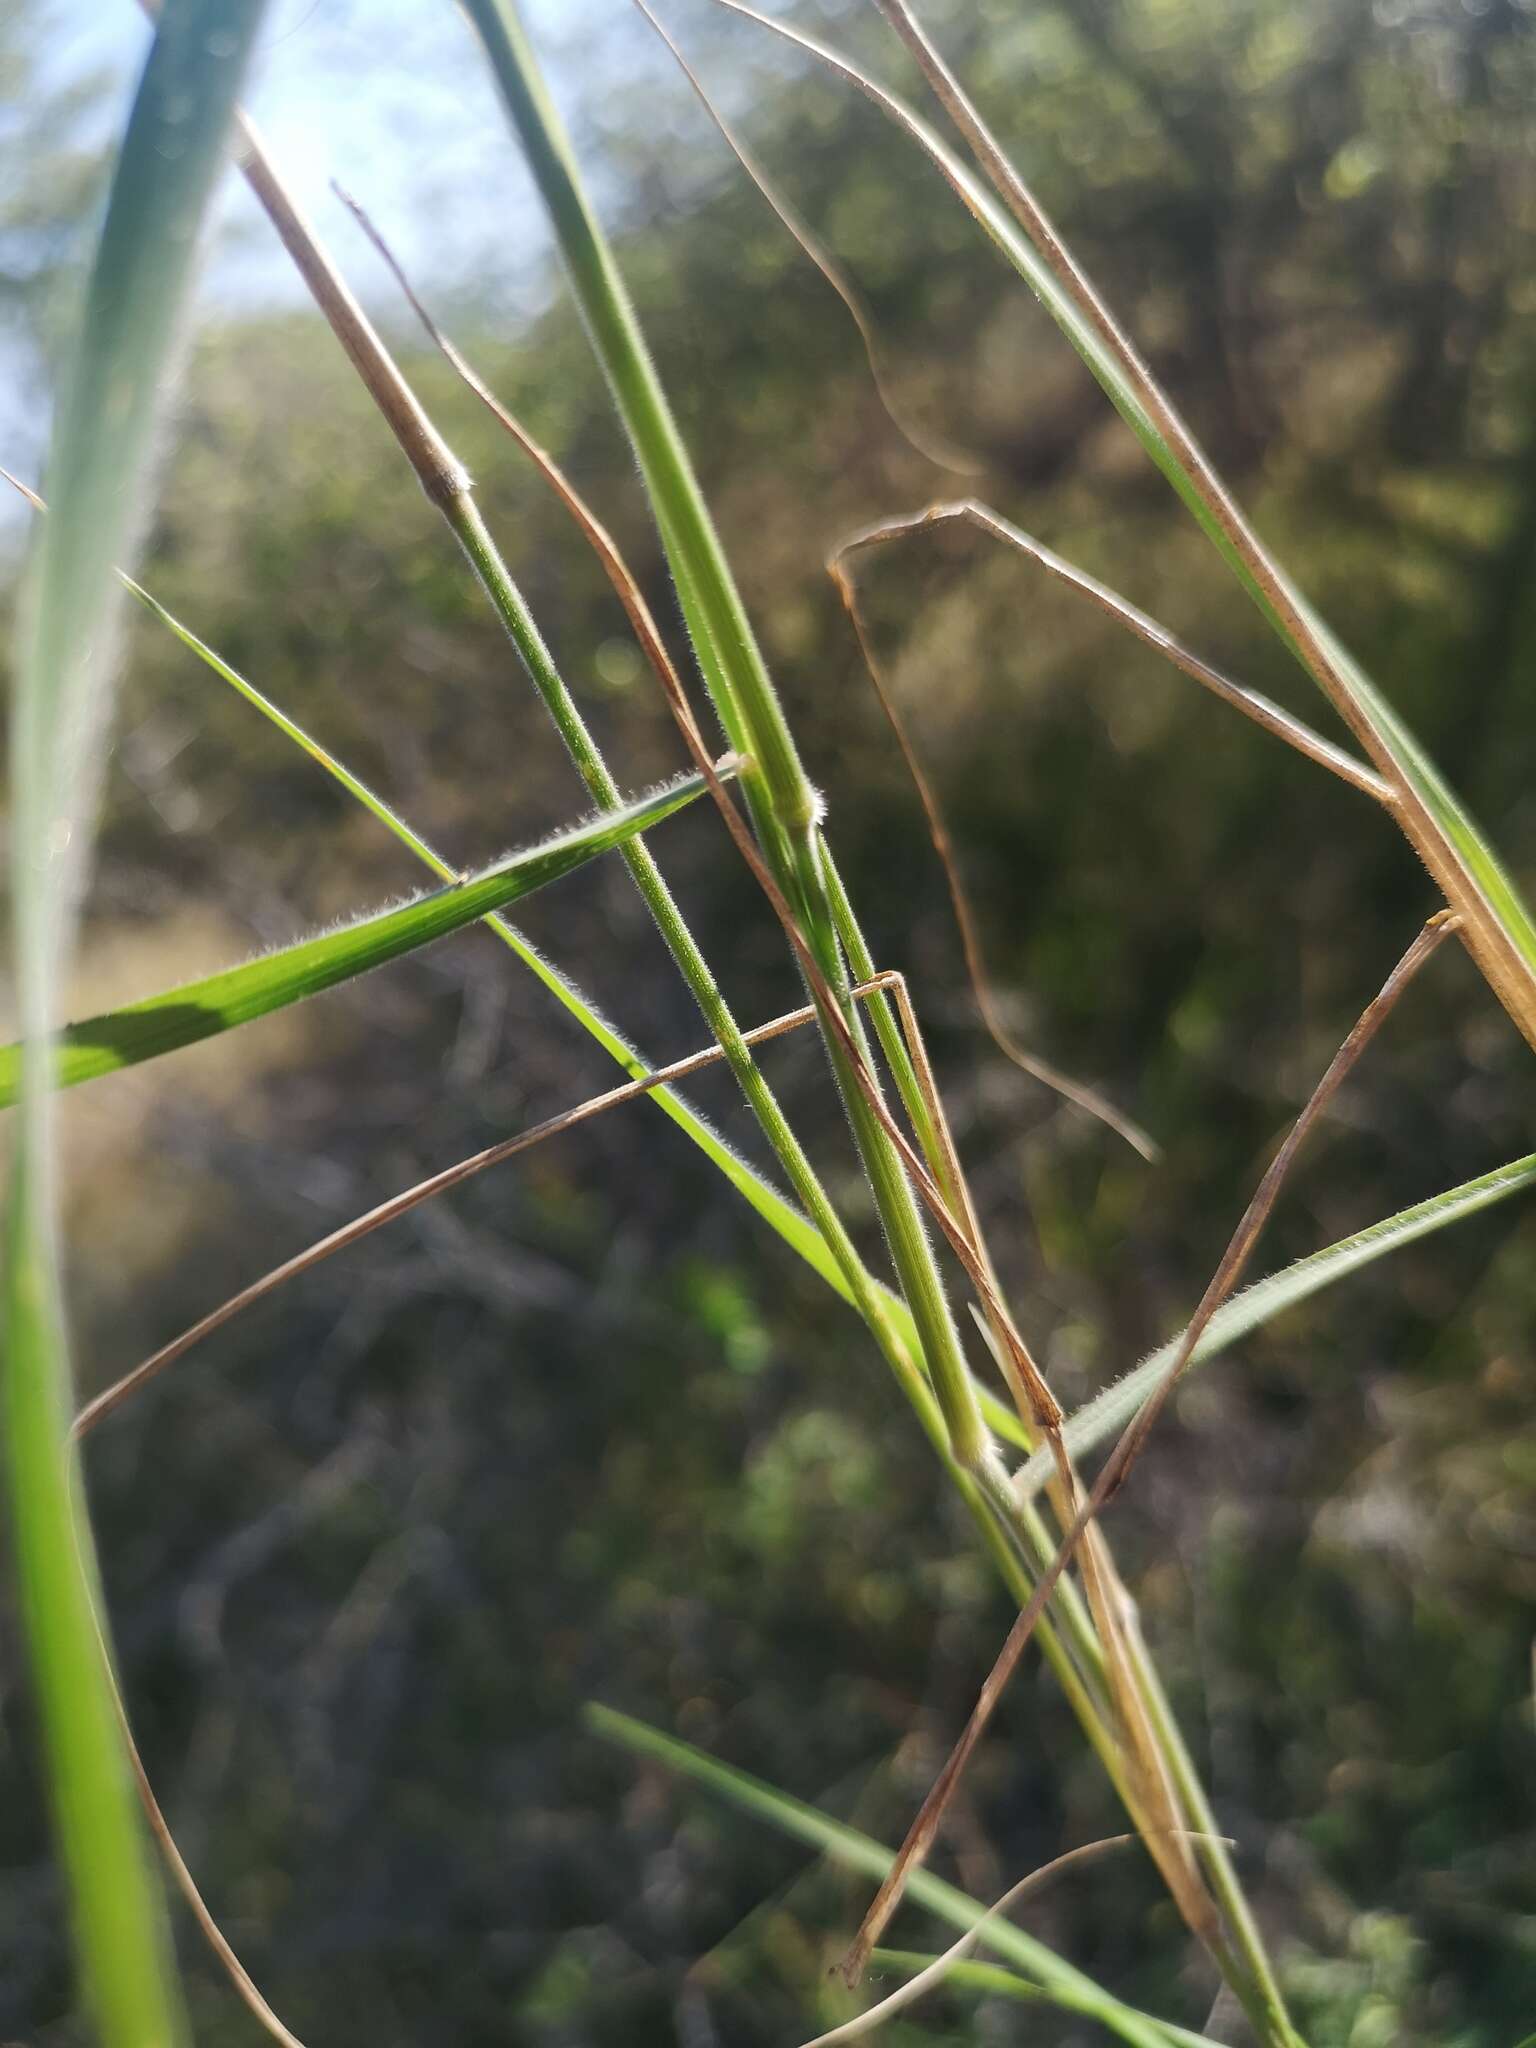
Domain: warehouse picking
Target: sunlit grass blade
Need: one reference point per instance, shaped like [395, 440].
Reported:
[1497, 926]
[1056, 1978]
[220, 1002]
[106, 416]
[791, 1224]
[795, 1228]
[1108, 1412]
[447, 484]
[791, 867]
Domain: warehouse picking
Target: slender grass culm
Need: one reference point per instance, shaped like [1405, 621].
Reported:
[1014, 1462]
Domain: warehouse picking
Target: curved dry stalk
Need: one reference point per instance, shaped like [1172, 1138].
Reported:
[920, 1836]
[1495, 926]
[933, 1975]
[113, 1397]
[933, 448]
[1252, 703]
[1438, 928]
[245, 1985]
[620, 576]
[1086, 1098]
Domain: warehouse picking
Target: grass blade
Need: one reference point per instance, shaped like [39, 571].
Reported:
[792, 868]
[994, 1980]
[171, 155]
[239, 995]
[1108, 1412]
[1057, 1979]
[796, 1229]
[448, 486]
[791, 1224]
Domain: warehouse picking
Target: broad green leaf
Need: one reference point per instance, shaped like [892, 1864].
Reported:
[202, 1009]
[1057, 1980]
[1109, 1412]
[105, 422]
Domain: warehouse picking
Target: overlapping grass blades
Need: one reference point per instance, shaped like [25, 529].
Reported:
[995, 1980]
[796, 1229]
[1054, 1979]
[786, 810]
[102, 444]
[239, 995]
[1108, 1412]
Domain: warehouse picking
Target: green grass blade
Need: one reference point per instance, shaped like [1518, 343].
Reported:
[844, 1845]
[107, 413]
[1500, 930]
[993, 1980]
[239, 995]
[1108, 1412]
[791, 1224]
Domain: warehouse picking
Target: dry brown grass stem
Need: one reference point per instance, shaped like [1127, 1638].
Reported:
[1508, 973]
[933, 448]
[389, 1211]
[1251, 703]
[1228, 1271]
[1086, 1098]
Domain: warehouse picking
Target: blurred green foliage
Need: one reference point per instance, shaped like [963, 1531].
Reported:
[584, 1429]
